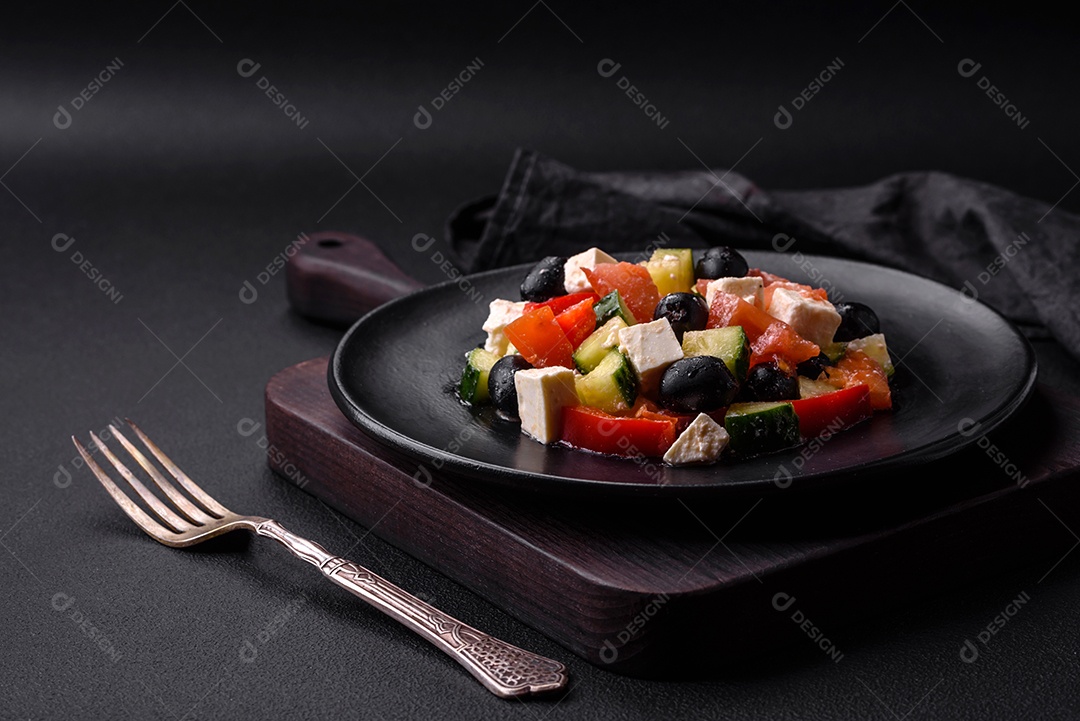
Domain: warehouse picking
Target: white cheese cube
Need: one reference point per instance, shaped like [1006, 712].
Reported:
[651, 347]
[751, 289]
[542, 394]
[813, 319]
[501, 313]
[702, 442]
[573, 270]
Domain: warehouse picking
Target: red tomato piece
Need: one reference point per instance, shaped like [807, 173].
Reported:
[540, 340]
[804, 290]
[642, 406]
[578, 321]
[594, 430]
[634, 284]
[645, 408]
[767, 279]
[782, 344]
[702, 286]
[826, 414]
[855, 368]
[561, 302]
[728, 310]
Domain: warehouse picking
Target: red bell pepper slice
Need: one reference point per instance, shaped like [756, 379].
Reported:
[540, 340]
[594, 430]
[561, 302]
[826, 414]
[578, 321]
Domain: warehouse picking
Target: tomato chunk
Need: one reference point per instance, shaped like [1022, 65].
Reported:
[782, 344]
[804, 290]
[578, 321]
[561, 302]
[540, 339]
[650, 411]
[854, 368]
[594, 430]
[728, 310]
[831, 412]
[767, 278]
[634, 284]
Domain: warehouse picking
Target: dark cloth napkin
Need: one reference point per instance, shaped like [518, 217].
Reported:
[1016, 254]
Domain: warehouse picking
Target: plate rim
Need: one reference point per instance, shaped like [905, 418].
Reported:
[546, 483]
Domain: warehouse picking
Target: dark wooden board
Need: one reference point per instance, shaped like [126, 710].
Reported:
[335, 278]
[675, 588]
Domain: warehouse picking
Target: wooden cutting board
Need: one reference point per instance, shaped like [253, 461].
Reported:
[671, 588]
[640, 587]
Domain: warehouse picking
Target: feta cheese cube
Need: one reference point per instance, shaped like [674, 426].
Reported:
[573, 270]
[542, 394]
[702, 442]
[501, 313]
[751, 289]
[813, 319]
[651, 347]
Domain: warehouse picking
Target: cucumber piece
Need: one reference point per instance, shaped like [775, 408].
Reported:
[728, 344]
[593, 349]
[672, 270]
[474, 378]
[757, 428]
[834, 350]
[611, 386]
[811, 388]
[874, 346]
[610, 306]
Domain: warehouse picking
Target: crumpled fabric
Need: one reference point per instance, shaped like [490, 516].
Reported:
[1018, 255]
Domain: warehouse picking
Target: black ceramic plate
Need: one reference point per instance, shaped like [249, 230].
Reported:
[959, 363]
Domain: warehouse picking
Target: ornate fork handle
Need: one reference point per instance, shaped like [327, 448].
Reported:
[504, 669]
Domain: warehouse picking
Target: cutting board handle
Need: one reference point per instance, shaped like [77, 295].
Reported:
[336, 278]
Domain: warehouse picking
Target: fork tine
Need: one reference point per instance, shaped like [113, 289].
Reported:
[164, 512]
[187, 508]
[142, 520]
[189, 485]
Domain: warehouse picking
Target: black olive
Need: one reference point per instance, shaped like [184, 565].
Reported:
[721, 262]
[813, 367]
[545, 280]
[501, 386]
[767, 382]
[698, 384]
[856, 321]
[684, 311]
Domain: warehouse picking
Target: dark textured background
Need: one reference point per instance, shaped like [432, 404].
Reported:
[180, 180]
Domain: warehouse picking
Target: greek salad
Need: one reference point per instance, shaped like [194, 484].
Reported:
[668, 358]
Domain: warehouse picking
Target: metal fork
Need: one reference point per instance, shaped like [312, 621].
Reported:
[504, 669]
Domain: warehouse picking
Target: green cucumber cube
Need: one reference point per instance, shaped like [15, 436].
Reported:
[874, 346]
[611, 386]
[757, 428]
[728, 344]
[593, 349]
[672, 270]
[474, 378]
[610, 306]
